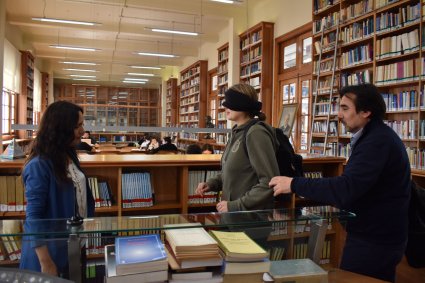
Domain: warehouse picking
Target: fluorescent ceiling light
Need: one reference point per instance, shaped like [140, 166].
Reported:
[80, 63]
[146, 67]
[81, 76]
[74, 48]
[174, 31]
[81, 70]
[90, 80]
[134, 82]
[224, 1]
[140, 74]
[52, 20]
[157, 54]
[137, 80]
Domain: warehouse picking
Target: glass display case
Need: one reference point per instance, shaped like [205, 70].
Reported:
[263, 227]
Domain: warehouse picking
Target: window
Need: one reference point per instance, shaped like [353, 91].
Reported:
[8, 113]
[307, 50]
[290, 56]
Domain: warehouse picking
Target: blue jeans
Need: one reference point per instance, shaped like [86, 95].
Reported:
[371, 259]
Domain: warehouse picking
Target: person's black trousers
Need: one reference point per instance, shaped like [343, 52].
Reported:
[370, 259]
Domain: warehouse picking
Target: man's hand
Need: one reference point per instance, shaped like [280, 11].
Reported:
[281, 185]
[202, 189]
[222, 206]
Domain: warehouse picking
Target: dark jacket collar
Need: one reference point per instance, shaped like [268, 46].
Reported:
[370, 126]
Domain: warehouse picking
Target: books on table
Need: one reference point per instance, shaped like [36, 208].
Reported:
[238, 247]
[112, 277]
[297, 270]
[140, 254]
[192, 247]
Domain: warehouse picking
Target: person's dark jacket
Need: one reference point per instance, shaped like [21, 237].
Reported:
[83, 146]
[375, 186]
[166, 147]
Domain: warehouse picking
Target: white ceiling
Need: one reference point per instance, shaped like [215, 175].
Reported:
[121, 33]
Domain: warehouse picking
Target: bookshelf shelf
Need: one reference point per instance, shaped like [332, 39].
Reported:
[396, 30]
[392, 6]
[256, 54]
[356, 19]
[398, 57]
[357, 41]
[111, 209]
[327, 9]
[172, 103]
[25, 99]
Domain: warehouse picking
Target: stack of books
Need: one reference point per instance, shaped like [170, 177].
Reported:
[245, 261]
[193, 255]
[297, 271]
[136, 259]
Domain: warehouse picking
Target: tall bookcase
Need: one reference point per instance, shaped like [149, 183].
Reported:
[44, 91]
[193, 100]
[379, 43]
[256, 62]
[171, 105]
[26, 111]
[222, 87]
[112, 106]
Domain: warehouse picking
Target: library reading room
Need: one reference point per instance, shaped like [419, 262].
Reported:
[209, 141]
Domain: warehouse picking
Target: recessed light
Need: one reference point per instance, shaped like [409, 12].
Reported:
[180, 32]
[79, 63]
[81, 70]
[141, 74]
[146, 67]
[62, 21]
[137, 80]
[224, 1]
[134, 82]
[157, 54]
[74, 48]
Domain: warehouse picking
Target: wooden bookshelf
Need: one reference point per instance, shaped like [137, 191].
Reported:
[193, 98]
[44, 91]
[171, 103]
[256, 62]
[26, 99]
[222, 87]
[113, 106]
[385, 57]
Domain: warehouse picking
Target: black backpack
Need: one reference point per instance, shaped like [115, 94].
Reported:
[290, 164]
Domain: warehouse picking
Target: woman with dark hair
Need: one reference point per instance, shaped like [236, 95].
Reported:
[166, 145]
[55, 186]
[207, 149]
[249, 160]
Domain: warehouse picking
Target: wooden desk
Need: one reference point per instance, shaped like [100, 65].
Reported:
[341, 276]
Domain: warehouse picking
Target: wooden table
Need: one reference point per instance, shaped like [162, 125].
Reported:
[342, 276]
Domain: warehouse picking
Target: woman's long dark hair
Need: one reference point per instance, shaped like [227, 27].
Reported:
[55, 135]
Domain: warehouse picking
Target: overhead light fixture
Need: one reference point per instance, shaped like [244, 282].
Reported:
[81, 76]
[81, 70]
[145, 67]
[89, 80]
[180, 32]
[79, 63]
[74, 48]
[141, 74]
[157, 54]
[136, 80]
[224, 1]
[62, 21]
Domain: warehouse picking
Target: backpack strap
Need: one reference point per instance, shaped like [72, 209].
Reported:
[245, 132]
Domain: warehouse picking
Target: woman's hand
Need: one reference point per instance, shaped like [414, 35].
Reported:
[222, 206]
[202, 189]
[49, 268]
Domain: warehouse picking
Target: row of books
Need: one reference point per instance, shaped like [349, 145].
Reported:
[328, 42]
[189, 100]
[223, 67]
[323, 109]
[223, 79]
[314, 175]
[408, 70]
[422, 129]
[190, 83]
[326, 65]
[416, 157]
[358, 55]
[200, 176]
[193, 71]
[189, 136]
[326, 22]
[404, 129]
[276, 253]
[223, 55]
[137, 190]
[397, 45]
[356, 10]
[12, 194]
[191, 117]
[383, 3]
[189, 109]
[356, 78]
[191, 91]
[332, 148]
[405, 100]
[101, 192]
[10, 248]
[252, 39]
[389, 21]
[255, 82]
[321, 127]
[357, 31]
[325, 83]
[319, 5]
